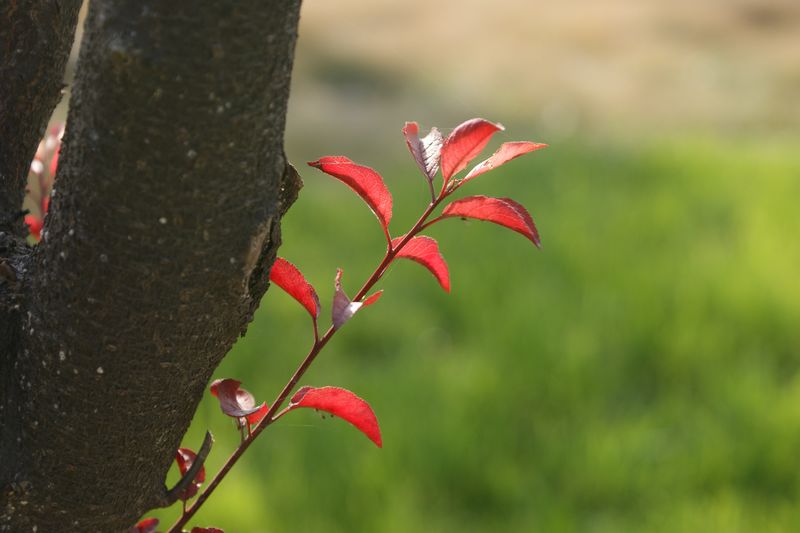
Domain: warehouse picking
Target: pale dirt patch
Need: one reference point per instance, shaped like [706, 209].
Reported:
[573, 66]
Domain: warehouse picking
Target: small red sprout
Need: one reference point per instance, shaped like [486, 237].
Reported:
[431, 153]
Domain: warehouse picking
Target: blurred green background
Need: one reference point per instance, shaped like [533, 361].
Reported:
[640, 373]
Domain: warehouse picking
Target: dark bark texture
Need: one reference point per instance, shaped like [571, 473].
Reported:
[162, 228]
[35, 40]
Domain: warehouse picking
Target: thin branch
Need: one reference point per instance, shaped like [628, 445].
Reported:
[274, 412]
[430, 187]
[35, 41]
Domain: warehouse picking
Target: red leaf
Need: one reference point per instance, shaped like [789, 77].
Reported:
[503, 211]
[504, 154]
[527, 218]
[426, 151]
[148, 525]
[343, 308]
[286, 276]
[341, 403]
[54, 161]
[369, 300]
[206, 530]
[367, 183]
[254, 418]
[185, 457]
[464, 143]
[35, 225]
[235, 401]
[425, 251]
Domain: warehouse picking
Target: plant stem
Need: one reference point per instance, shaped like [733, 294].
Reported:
[319, 344]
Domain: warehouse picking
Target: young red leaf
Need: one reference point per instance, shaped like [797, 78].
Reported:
[147, 525]
[426, 151]
[464, 143]
[371, 299]
[235, 401]
[425, 251]
[185, 457]
[343, 308]
[504, 154]
[367, 183]
[341, 403]
[254, 418]
[206, 530]
[503, 211]
[286, 276]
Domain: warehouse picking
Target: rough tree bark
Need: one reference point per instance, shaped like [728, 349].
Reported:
[163, 224]
[35, 40]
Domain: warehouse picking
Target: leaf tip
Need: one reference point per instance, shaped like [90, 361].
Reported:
[411, 128]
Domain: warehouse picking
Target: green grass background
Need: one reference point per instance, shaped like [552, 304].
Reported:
[639, 373]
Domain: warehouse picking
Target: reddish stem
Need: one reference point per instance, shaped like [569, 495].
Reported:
[430, 187]
[319, 343]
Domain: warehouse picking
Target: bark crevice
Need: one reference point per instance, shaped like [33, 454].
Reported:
[35, 41]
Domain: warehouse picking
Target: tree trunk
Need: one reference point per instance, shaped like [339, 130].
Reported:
[35, 40]
[162, 228]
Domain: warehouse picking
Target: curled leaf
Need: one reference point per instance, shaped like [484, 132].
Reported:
[147, 525]
[503, 211]
[504, 154]
[185, 457]
[289, 278]
[426, 151]
[206, 530]
[341, 403]
[367, 183]
[343, 308]
[425, 251]
[464, 143]
[237, 402]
